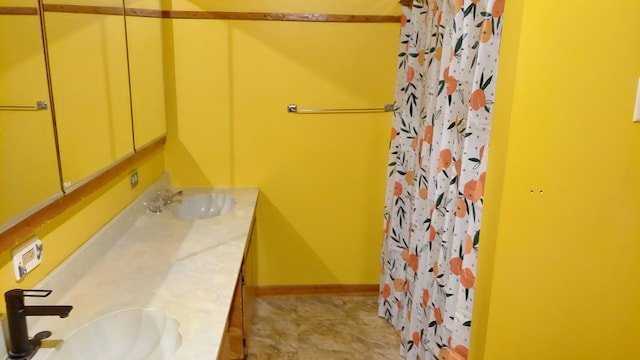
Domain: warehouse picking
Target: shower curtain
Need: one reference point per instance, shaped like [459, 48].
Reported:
[444, 95]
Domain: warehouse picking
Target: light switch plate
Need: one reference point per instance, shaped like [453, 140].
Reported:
[636, 113]
[27, 257]
[133, 178]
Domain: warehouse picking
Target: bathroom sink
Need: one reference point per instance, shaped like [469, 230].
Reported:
[132, 334]
[202, 206]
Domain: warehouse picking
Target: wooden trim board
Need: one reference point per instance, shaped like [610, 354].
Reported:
[17, 10]
[330, 289]
[224, 15]
[221, 15]
[84, 9]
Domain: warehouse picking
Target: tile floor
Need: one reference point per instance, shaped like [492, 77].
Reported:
[321, 327]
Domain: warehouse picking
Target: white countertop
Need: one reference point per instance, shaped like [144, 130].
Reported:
[188, 269]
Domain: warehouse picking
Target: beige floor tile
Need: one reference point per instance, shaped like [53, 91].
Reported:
[320, 308]
[376, 346]
[275, 307]
[321, 327]
[329, 334]
[274, 356]
[325, 355]
[274, 337]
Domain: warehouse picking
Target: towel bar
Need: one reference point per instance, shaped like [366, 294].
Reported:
[40, 105]
[293, 108]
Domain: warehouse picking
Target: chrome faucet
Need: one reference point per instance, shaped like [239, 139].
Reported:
[168, 196]
[23, 348]
[162, 199]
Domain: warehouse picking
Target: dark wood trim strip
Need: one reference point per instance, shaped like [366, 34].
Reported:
[152, 13]
[331, 289]
[223, 15]
[28, 226]
[84, 9]
[15, 10]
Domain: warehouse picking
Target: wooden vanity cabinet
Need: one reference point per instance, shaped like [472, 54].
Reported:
[236, 337]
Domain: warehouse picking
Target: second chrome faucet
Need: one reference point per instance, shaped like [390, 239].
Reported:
[162, 199]
[169, 196]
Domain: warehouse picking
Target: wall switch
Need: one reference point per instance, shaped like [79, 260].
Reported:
[133, 177]
[636, 114]
[27, 257]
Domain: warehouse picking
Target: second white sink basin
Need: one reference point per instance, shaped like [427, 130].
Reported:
[202, 206]
[132, 334]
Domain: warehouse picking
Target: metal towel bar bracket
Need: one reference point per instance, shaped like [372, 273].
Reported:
[293, 108]
[40, 105]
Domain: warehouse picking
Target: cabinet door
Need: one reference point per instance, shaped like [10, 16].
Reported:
[90, 91]
[28, 163]
[146, 72]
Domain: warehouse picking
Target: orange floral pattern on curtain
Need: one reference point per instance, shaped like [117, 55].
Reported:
[447, 68]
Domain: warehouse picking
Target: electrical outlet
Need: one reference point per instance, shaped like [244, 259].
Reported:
[27, 257]
[133, 178]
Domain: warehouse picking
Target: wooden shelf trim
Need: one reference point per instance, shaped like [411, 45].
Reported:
[330, 289]
[152, 13]
[84, 9]
[222, 15]
[28, 226]
[16, 10]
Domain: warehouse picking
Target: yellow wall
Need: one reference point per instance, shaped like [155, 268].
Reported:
[321, 176]
[560, 274]
[67, 232]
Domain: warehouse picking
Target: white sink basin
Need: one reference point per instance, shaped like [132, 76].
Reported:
[132, 334]
[201, 206]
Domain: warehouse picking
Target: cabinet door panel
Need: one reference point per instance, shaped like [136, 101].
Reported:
[28, 162]
[147, 78]
[91, 92]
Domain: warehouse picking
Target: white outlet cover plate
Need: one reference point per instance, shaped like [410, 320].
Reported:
[27, 257]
